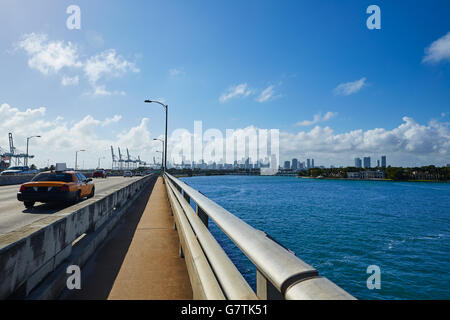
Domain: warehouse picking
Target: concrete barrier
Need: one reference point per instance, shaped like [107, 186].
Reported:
[19, 179]
[30, 254]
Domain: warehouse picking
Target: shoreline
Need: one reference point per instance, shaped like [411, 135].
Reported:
[309, 177]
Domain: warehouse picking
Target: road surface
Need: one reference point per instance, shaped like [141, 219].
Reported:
[14, 215]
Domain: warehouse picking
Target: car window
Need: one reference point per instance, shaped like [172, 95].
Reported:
[82, 177]
[16, 168]
[59, 177]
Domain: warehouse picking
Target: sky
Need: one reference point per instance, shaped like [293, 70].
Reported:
[313, 70]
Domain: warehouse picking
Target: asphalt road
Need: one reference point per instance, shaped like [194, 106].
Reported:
[13, 213]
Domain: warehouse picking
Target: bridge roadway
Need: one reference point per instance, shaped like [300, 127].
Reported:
[13, 214]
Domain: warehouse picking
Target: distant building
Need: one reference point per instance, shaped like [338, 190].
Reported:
[353, 175]
[372, 174]
[294, 164]
[358, 163]
[366, 175]
[312, 163]
[383, 161]
[287, 165]
[378, 163]
[366, 162]
[308, 163]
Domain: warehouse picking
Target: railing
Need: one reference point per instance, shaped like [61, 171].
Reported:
[280, 274]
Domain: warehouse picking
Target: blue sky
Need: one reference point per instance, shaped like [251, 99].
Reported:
[231, 64]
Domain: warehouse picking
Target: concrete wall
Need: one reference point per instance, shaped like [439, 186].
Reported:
[9, 180]
[19, 179]
[31, 253]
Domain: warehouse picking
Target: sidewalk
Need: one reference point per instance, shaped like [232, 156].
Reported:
[152, 268]
[140, 259]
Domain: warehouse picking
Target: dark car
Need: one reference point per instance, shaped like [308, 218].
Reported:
[99, 174]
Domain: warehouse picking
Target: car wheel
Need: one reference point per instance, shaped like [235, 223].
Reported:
[29, 204]
[92, 193]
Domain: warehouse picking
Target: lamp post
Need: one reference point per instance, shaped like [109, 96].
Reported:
[162, 153]
[76, 157]
[98, 167]
[165, 140]
[162, 157]
[28, 139]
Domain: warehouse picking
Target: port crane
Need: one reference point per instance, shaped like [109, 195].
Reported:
[20, 157]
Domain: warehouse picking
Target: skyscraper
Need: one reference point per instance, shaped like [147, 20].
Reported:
[383, 161]
[294, 164]
[312, 163]
[366, 162]
[308, 163]
[287, 165]
[358, 163]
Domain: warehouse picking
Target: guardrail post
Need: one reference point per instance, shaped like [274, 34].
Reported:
[265, 290]
[202, 215]
[186, 196]
[180, 251]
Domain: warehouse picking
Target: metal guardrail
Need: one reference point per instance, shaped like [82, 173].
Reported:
[280, 274]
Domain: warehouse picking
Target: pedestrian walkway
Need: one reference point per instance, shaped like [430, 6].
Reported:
[149, 266]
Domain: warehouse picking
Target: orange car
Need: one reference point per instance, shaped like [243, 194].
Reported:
[56, 187]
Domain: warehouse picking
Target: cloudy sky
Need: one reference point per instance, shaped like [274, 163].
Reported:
[312, 70]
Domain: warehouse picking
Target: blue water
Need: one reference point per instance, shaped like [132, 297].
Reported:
[341, 227]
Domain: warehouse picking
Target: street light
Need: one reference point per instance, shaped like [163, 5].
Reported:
[165, 140]
[162, 156]
[76, 157]
[28, 139]
[99, 162]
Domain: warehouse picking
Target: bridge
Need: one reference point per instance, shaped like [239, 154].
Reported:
[144, 238]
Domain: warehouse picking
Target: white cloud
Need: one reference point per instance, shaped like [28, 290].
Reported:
[329, 115]
[114, 119]
[100, 90]
[52, 56]
[48, 56]
[175, 72]
[240, 90]
[349, 88]
[137, 138]
[317, 118]
[266, 94]
[439, 50]
[69, 81]
[107, 64]
[410, 143]
[59, 138]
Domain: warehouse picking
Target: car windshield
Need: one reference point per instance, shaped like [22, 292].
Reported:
[17, 168]
[60, 177]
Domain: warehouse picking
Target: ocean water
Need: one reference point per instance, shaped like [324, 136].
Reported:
[341, 227]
